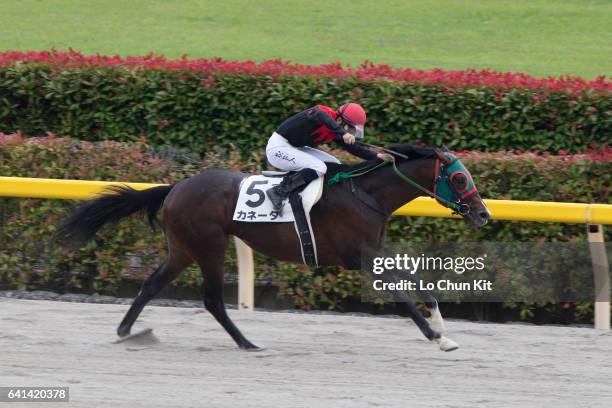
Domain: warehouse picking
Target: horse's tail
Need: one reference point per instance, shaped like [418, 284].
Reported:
[116, 203]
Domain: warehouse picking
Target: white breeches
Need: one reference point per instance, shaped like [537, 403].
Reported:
[283, 156]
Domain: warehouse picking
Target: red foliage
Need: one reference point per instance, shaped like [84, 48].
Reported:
[596, 153]
[367, 71]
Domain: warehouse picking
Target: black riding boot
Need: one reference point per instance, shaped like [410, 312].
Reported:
[291, 182]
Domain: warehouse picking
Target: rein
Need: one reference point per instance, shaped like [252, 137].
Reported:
[343, 175]
[457, 208]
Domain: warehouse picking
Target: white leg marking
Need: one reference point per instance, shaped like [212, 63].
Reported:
[435, 321]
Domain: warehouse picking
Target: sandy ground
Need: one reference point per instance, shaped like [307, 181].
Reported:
[310, 361]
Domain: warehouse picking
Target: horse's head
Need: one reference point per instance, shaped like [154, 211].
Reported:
[454, 188]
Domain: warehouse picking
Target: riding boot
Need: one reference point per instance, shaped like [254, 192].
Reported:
[290, 183]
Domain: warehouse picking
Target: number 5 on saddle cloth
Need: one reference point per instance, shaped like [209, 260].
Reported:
[254, 206]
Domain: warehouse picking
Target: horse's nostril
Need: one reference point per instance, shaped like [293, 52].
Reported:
[484, 215]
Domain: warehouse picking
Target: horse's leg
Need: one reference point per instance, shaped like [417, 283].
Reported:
[169, 270]
[405, 304]
[445, 343]
[211, 261]
[435, 319]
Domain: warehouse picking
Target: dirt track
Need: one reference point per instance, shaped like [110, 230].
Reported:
[310, 361]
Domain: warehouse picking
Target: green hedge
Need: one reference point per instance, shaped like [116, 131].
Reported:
[27, 259]
[198, 110]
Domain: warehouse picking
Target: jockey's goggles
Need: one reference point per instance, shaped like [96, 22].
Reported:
[356, 131]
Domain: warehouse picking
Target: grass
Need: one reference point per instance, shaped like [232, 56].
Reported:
[539, 37]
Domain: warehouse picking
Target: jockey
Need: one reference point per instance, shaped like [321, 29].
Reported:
[291, 148]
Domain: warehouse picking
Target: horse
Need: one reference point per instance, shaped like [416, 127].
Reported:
[351, 215]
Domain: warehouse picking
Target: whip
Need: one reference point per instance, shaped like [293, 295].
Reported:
[384, 149]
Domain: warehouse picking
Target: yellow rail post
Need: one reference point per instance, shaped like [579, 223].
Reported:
[246, 276]
[601, 275]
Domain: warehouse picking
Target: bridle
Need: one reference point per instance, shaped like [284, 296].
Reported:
[445, 173]
[444, 190]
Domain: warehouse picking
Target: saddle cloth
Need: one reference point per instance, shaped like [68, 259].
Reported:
[253, 204]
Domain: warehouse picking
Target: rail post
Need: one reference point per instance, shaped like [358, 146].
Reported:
[246, 276]
[601, 276]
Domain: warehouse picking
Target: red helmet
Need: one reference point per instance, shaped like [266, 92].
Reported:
[354, 115]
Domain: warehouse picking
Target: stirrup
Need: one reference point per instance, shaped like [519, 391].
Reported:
[269, 193]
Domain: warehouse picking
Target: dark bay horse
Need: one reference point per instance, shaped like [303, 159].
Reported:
[197, 221]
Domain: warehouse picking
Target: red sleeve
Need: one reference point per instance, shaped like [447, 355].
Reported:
[326, 116]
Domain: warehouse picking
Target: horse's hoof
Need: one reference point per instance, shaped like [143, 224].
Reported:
[446, 344]
[145, 336]
[123, 332]
[252, 347]
[255, 349]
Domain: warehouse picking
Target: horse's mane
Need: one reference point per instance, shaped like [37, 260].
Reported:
[413, 152]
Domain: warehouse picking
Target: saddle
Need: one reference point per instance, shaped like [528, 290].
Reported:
[272, 173]
[254, 206]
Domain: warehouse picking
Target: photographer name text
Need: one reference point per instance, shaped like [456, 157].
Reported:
[443, 284]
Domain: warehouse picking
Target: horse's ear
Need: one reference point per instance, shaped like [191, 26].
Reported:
[440, 153]
[446, 149]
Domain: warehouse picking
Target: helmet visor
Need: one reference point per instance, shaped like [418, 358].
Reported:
[356, 131]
